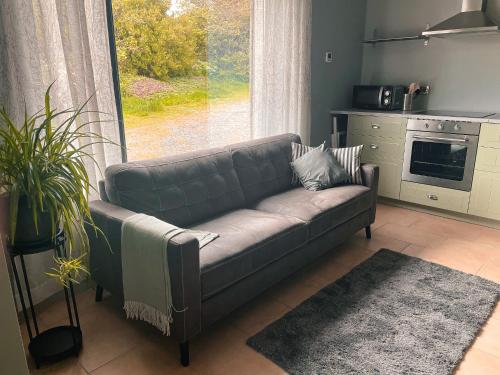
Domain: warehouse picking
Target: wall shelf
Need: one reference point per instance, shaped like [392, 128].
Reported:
[376, 39]
[395, 39]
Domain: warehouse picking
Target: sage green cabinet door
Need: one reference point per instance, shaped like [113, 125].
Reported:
[378, 149]
[383, 139]
[488, 159]
[389, 184]
[378, 126]
[358, 124]
[485, 195]
[434, 196]
[490, 135]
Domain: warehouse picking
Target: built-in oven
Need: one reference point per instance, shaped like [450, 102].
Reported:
[441, 153]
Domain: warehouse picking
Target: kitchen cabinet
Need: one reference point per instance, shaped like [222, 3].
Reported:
[490, 136]
[389, 184]
[488, 159]
[377, 148]
[383, 139]
[386, 127]
[485, 195]
[434, 196]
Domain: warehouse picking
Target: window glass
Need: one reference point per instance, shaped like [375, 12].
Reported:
[184, 74]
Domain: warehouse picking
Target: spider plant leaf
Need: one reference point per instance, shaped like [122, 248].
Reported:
[44, 160]
[14, 209]
[47, 109]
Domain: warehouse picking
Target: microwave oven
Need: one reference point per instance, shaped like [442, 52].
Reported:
[386, 98]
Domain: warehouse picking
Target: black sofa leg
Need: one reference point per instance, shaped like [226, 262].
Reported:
[98, 293]
[184, 349]
[368, 231]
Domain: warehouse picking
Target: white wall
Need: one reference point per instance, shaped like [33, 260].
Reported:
[338, 26]
[12, 357]
[464, 72]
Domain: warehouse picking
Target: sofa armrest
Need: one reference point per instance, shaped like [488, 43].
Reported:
[184, 265]
[183, 260]
[370, 175]
[105, 261]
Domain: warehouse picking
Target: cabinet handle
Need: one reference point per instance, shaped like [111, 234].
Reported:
[373, 147]
[432, 197]
[375, 126]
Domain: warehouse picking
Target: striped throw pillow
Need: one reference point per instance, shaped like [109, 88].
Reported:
[350, 159]
[299, 150]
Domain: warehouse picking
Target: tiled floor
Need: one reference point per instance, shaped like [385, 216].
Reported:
[113, 345]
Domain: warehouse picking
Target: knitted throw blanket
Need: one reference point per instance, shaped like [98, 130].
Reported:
[146, 277]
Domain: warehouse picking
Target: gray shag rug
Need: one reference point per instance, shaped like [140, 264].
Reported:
[392, 314]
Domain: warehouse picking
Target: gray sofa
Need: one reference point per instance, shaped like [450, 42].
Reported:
[268, 228]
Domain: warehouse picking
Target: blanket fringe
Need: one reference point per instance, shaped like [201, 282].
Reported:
[141, 311]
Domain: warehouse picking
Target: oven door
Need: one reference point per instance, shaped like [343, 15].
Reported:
[440, 159]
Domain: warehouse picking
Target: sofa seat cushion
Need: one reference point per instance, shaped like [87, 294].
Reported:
[248, 240]
[322, 210]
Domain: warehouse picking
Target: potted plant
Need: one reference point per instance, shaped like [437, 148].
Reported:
[42, 171]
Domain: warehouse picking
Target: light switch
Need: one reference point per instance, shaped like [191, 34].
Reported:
[329, 56]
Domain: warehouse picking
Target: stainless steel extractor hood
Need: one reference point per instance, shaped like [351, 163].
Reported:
[472, 19]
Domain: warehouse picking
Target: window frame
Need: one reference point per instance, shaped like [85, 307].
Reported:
[116, 77]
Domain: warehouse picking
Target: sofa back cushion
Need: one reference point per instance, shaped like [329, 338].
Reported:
[263, 165]
[181, 190]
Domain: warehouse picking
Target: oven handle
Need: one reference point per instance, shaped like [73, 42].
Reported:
[464, 140]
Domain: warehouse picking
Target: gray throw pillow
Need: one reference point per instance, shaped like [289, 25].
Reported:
[318, 170]
[299, 150]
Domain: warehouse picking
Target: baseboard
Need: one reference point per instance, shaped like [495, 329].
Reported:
[442, 213]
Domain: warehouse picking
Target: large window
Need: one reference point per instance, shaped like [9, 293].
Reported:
[184, 74]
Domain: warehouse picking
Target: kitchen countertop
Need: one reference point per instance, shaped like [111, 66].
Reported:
[495, 119]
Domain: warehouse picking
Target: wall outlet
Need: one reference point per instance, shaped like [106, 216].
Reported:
[329, 56]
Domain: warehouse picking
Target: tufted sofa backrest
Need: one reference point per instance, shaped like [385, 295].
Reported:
[263, 165]
[181, 189]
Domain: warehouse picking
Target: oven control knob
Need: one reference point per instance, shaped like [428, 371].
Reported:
[458, 127]
[386, 101]
[441, 126]
[387, 93]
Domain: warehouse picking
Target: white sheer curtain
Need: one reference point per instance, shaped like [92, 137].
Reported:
[280, 67]
[65, 41]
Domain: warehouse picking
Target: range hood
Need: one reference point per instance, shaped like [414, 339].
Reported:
[472, 19]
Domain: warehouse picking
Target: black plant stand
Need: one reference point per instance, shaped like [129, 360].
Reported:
[55, 343]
